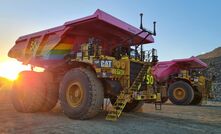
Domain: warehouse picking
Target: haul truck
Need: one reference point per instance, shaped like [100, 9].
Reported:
[182, 81]
[85, 61]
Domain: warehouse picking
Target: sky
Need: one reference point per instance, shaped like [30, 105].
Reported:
[185, 28]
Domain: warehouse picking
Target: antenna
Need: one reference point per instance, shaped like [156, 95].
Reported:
[144, 29]
[154, 28]
[141, 21]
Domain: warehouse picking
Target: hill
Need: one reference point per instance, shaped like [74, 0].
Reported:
[5, 83]
[4, 80]
[213, 59]
[212, 54]
[5, 87]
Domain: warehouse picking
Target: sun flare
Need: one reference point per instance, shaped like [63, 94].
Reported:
[10, 68]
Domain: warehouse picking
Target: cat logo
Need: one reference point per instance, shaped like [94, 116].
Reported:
[106, 63]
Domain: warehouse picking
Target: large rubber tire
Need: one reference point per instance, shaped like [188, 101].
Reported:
[52, 91]
[197, 98]
[91, 88]
[28, 92]
[187, 90]
[130, 106]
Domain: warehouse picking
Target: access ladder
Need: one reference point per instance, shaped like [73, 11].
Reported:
[124, 97]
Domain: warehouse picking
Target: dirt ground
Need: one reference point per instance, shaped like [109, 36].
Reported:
[170, 120]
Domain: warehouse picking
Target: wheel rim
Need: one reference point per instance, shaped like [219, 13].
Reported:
[74, 94]
[179, 93]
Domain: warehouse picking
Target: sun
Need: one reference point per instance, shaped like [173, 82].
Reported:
[10, 68]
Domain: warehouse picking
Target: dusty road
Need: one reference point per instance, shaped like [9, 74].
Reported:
[170, 120]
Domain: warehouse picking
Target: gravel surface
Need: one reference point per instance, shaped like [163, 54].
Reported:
[170, 120]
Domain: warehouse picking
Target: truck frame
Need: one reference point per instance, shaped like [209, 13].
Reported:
[182, 81]
[97, 57]
[85, 61]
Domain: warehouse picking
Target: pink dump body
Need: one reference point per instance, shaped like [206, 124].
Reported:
[57, 42]
[162, 70]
